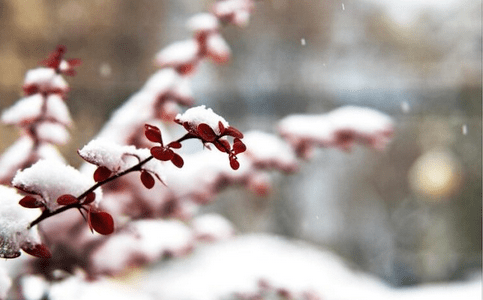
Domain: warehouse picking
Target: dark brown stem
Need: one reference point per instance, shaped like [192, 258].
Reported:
[47, 213]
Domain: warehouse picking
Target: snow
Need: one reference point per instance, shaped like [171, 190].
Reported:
[33, 287]
[203, 22]
[360, 124]
[53, 133]
[265, 149]
[238, 11]
[178, 53]
[217, 271]
[212, 227]
[76, 288]
[51, 179]
[218, 49]
[5, 283]
[118, 158]
[12, 159]
[200, 114]
[14, 222]
[24, 110]
[142, 241]
[46, 79]
[57, 110]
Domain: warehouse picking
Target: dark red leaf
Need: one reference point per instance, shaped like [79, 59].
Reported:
[238, 146]
[221, 127]
[232, 131]
[153, 133]
[101, 174]
[74, 62]
[177, 160]
[175, 145]
[206, 132]
[67, 199]
[100, 222]
[147, 179]
[39, 250]
[162, 153]
[89, 198]
[234, 164]
[30, 202]
[221, 145]
[70, 72]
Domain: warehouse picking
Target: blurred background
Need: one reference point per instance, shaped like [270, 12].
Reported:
[410, 215]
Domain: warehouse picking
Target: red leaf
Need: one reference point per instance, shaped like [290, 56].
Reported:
[206, 132]
[67, 199]
[221, 127]
[101, 222]
[162, 153]
[89, 198]
[153, 133]
[238, 146]
[175, 145]
[147, 179]
[177, 160]
[30, 202]
[232, 131]
[74, 62]
[101, 174]
[39, 250]
[222, 145]
[234, 164]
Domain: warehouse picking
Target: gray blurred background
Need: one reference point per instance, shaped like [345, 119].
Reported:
[411, 214]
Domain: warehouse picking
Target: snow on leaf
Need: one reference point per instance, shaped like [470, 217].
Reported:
[50, 179]
[14, 222]
[218, 49]
[203, 22]
[178, 53]
[53, 133]
[195, 116]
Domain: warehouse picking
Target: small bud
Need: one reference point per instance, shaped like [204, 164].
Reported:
[67, 199]
[147, 179]
[101, 174]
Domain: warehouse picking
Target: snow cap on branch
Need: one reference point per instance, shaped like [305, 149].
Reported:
[14, 224]
[341, 128]
[236, 12]
[203, 22]
[117, 158]
[195, 116]
[45, 81]
[50, 179]
[182, 56]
